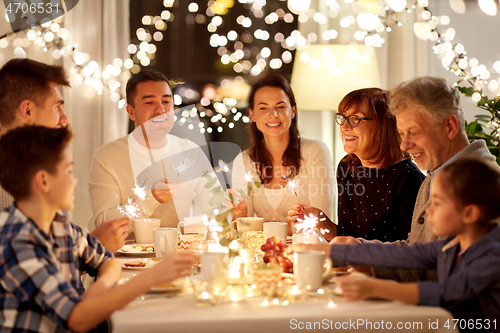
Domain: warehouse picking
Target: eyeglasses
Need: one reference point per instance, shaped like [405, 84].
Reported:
[353, 120]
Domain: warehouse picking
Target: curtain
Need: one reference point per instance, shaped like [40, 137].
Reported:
[101, 29]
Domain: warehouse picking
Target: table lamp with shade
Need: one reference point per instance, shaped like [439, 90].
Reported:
[323, 74]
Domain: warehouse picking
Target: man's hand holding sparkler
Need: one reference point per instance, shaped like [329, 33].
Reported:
[163, 191]
[299, 212]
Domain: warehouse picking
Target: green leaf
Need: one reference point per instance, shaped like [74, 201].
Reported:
[230, 196]
[467, 91]
[217, 199]
[496, 106]
[483, 117]
[484, 101]
[210, 183]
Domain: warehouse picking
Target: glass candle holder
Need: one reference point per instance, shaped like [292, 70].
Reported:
[204, 294]
[295, 294]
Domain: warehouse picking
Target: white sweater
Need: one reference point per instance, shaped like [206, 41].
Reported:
[116, 166]
[316, 187]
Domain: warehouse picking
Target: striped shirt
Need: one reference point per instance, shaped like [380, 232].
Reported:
[40, 274]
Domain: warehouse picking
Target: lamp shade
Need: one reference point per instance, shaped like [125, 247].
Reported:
[323, 74]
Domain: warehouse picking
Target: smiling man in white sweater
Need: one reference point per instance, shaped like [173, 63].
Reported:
[116, 167]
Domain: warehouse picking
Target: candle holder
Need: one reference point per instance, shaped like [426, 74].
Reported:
[248, 257]
[206, 294]
[295, 294]
[266, 277]
[235, 273]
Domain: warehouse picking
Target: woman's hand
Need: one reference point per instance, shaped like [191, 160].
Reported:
[295, 213]
[238, 204]
[298, 212]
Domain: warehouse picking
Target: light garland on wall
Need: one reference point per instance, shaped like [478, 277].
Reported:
[474, 75]
[372, 20]
[50, 36]
[375, 18]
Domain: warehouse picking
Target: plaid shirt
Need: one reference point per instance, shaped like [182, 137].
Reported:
[40, 274]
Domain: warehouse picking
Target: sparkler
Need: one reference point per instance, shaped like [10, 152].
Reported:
[130, 209]
[309, 225]
[151, 155]
[185, 165]
[248, 177]
[133, 208]
[292, 185]
[139, 191]
[224, 169]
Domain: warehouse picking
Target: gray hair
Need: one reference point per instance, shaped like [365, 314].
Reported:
[432, 96]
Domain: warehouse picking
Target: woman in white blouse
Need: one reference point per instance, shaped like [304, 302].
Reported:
[278, 154]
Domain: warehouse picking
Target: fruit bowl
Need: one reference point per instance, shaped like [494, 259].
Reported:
[254, 240]
[274, 253]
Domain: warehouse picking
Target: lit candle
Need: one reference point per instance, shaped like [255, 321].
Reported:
[216, 247]
[233, 273]
[205, 299]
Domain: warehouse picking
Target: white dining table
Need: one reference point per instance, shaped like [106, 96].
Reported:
[177, 313]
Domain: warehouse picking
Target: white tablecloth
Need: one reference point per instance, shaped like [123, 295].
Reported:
[178, 314]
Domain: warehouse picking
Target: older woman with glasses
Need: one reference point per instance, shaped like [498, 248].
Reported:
[377, 182]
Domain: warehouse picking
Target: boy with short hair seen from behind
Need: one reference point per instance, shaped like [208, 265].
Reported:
[42, 252]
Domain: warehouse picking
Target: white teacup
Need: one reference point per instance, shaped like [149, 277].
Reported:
[165, 240]
[192, 225]
[308, 269]
[212, 267]
[305, 239]
[245, 224]
[143, 229]
[278, 229]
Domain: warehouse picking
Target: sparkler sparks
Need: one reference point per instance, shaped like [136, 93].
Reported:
[248, 176]
[223, 166]
[130, 209]
[224, 169]
[133, 208]
[185, 165]
[309, 225]
[139, 191]
[292, 185]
